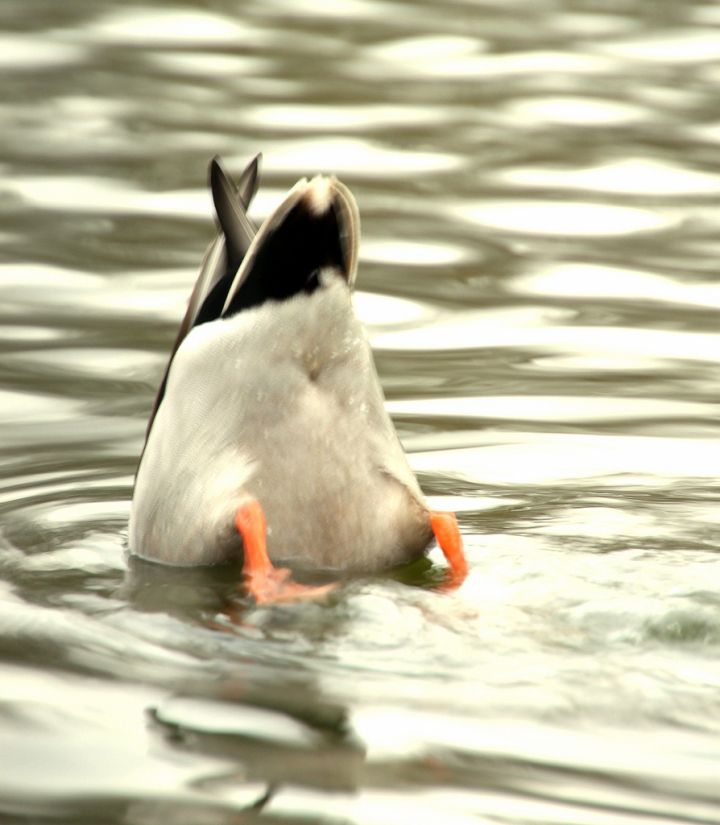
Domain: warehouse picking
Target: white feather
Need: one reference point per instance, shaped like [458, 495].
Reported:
[319, 194]
[280, 402]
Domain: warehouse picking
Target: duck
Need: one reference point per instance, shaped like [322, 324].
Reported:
[269, 441]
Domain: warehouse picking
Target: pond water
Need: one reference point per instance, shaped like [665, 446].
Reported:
[538, 183]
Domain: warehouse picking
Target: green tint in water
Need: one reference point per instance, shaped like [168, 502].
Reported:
[538, 185]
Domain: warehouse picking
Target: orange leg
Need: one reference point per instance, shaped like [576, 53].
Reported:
[447, 533]
[267, 584]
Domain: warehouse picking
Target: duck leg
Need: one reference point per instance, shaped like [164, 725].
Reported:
[447, 533]
[265, 583]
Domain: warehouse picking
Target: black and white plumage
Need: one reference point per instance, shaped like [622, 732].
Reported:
[271, 394]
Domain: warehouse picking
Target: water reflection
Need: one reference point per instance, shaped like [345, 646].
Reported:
[538, 278]
[154, 27]
[677, 46]
[574, 111]
[24, 52]
[351, 156]
[588, 281]
[562, 218]
[636, 176]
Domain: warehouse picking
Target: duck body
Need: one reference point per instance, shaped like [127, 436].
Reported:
[269, 439]
[280, 403]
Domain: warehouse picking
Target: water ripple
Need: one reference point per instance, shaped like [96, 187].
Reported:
[538, 279]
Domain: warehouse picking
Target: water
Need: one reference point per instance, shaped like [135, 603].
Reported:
[538, 184]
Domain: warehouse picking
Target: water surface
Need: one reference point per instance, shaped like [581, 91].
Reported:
[538, 184]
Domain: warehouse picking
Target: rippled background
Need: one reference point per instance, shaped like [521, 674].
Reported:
[538, 182]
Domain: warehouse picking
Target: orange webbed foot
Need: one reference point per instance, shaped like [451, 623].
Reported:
[447, 532]
[265, 583]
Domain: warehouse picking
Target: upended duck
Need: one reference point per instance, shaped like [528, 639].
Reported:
[269, 439]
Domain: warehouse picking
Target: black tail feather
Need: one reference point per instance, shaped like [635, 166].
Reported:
[290, 257]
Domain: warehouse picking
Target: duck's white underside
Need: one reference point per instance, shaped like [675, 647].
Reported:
[281, 403]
